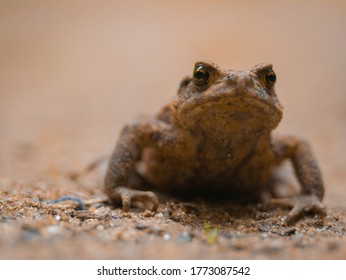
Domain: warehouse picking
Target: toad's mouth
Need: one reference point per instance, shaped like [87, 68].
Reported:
[229, 109]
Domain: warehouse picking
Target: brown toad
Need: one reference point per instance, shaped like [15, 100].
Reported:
[215, 138]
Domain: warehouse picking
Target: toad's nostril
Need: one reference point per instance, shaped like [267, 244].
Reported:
[228, 77]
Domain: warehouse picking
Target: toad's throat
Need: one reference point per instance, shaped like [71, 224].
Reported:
[241, 115]
[224, 127]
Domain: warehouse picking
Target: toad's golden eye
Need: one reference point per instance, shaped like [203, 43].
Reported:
[201, 75]
[270, 79]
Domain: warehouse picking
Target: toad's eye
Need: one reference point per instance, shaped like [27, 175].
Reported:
[201, 75]
[270, 79]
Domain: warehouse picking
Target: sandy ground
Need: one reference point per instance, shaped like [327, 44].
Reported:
[72, 73]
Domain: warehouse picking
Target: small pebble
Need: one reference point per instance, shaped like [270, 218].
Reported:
[57, 217]
[185, 236]
[102, 213]
[157, 230]
[141, 227]
[36, 217]
[298, 236]
[166, 237]
[159, 215]
[54, 229]
[100, 227]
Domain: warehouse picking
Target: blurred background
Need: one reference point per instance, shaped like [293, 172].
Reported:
[72, 73]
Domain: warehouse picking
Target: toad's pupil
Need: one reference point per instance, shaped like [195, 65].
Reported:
[271, 78]
[201, 73]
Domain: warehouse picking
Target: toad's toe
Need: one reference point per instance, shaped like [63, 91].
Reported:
[127, 196]
[305, 204]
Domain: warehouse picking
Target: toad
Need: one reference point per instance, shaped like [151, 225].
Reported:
[214, 138]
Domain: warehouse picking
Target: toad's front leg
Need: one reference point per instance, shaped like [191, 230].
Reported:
[128, 151]
[308, 174]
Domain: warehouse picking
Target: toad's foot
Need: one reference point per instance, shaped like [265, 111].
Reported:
[127, 196]
[301, 205]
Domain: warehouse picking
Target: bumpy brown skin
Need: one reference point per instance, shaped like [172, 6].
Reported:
[214, 138]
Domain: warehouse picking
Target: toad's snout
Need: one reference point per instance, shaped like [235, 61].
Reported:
[242, 82]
